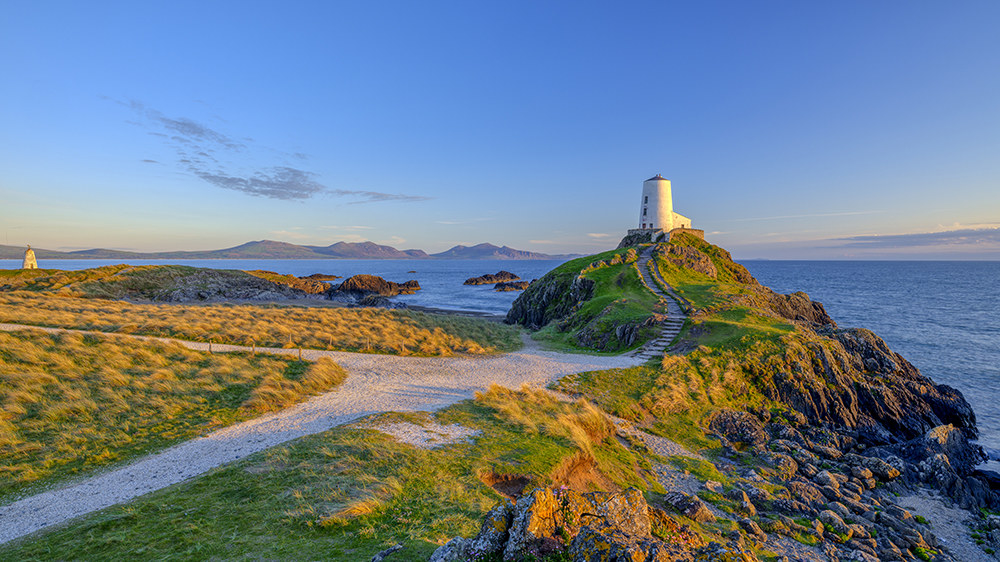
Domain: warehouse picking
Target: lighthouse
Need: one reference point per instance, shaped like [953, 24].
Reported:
[29, 259]
[656, 211]
[657, 220]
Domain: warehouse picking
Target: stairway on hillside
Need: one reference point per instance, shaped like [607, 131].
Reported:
[676, 316]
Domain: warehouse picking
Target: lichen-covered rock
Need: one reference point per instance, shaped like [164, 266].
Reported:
[739, 427]
[507, 286]
[691, 506]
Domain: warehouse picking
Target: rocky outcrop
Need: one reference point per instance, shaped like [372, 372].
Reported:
[507, 286]
[604, 335]
[551, 297]
[591, 527]
[359, 286]
[306, 285]
[492, 278]
[799, 307]
[850, 379]
[320, 277]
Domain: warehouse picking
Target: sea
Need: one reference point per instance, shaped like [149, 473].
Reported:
[942, 316]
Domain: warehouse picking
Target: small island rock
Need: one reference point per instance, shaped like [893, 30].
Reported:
[492, 278]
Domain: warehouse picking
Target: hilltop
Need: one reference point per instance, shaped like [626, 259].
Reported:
[270, 249]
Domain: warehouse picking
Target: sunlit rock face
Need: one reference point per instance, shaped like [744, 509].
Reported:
[29, 259]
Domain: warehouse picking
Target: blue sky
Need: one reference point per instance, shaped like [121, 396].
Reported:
[789, 129]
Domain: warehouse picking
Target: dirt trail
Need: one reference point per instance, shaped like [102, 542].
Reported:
[376, 383]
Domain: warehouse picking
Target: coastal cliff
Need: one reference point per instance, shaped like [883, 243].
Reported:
[813, 431]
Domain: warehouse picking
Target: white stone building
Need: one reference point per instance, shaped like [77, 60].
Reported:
[657, 209]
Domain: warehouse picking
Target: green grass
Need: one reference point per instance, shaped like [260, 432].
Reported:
[349, 329]
[619, 297]
[700, 468]
[74, 403]
[348, 493]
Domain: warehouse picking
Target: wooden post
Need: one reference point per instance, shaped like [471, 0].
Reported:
[210, 346]
[300, 354]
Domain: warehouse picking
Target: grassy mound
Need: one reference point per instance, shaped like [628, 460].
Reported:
[73, 403]
[593, 303]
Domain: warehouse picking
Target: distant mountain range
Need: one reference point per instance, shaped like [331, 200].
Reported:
[270, 249]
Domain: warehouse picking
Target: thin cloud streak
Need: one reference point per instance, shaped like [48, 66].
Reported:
[811, 215]
[984, 237]
[209, 154]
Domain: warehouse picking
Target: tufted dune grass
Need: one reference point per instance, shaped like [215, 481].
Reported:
[347, 493]
[315, 327]
[72, 403]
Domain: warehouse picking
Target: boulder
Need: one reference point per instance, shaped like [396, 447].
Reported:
[739, 427]
[359, 286]
[492, 278]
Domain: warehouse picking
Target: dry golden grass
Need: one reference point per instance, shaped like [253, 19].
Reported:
[351, 329]
[538, 411]
[70, 402]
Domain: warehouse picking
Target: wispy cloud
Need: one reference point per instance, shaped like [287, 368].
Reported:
[220, 160]
[809, 215]
[277, 183]
[148, 161]
[968, 237]
[597, 235]
[543, 241]
[346, 227]
[464, 221]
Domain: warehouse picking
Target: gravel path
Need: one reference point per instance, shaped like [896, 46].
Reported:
[376, 383]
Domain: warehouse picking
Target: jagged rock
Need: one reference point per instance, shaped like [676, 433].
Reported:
[842, 532]
[385, 553]
[362, 285]
[455, 550]
[597, 526]
[798, 306]
[784, 466]
[378, 301]
[492, 278]
[690, 506]
[508, 286]
[551, 297]
[751, 527]
[687, 257]
[739, 427]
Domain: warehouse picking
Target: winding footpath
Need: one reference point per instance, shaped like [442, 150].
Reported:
[676, 316]
[376, 383]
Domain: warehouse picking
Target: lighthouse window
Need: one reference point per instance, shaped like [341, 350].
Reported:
[645, 199]
[643, 211]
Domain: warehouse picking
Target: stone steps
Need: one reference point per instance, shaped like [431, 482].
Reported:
[669, 328]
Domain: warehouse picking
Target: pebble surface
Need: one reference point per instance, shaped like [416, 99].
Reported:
[376, 383]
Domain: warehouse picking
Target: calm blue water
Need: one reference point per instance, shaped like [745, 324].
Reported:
[944, 317]
[440, 280]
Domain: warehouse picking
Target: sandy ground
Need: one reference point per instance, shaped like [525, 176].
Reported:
[427, 436]
[948, 523]
[376, 383]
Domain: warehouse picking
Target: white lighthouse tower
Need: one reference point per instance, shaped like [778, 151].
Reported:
[657, 209]
[657, 219]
